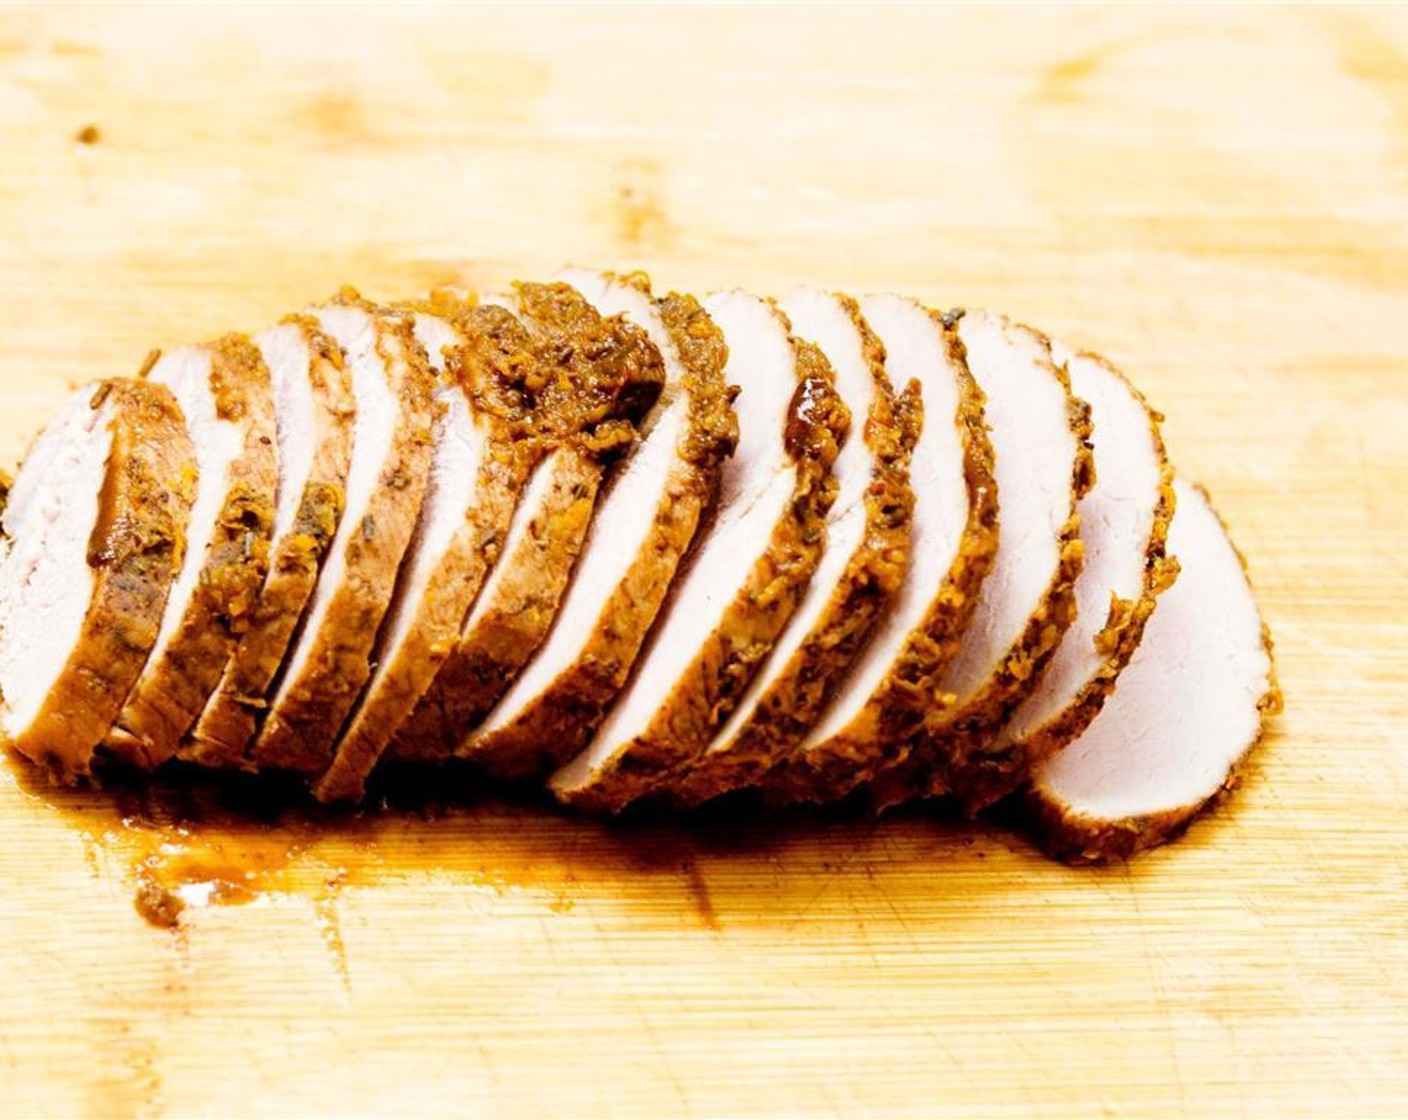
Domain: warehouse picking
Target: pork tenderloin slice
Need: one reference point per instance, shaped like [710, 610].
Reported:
[863, 566]
[227, 399]
[95, 530]
[313, 417]
[889, 690]
[599, 374]
[1187, 710]
[646, 522]
[747, 572]
[476, 477]
[329, 660]
[1124, 520]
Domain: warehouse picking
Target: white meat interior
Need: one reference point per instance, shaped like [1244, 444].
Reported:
[373, 430]
[755, 490]
[1186, 707]
[46, 585]
[820, 318]
[914, 350]
[1116, 520]
[624, 514]
[1034, 453]
[285, 351]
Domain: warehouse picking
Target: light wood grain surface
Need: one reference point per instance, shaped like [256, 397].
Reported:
[1217, 199]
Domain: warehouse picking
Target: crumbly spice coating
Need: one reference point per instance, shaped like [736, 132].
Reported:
[134, 551]
[880, 732]
[561, 720]
[576, 409]
[796, 698]
[228, 725]
[302, 725]
[990, 776]
[1077, 839]
[707, 692]
[172, 692]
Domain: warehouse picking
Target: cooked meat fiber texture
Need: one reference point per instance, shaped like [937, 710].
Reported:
[866, 556]
[1042, 466]
[1189, 707]
[1124, 520]
[638, 549]
[313, 418]
[747, 571]
[605, 373]
[645, 523]
[226, 397]
[330, 660]
[888, 692]
[94, 531]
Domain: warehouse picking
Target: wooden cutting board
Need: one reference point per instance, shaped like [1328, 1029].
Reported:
[1219, 200]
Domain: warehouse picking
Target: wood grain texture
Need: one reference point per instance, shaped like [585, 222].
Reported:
[1216, 199]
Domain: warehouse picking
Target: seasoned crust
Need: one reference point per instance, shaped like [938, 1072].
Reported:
[172, 692]
[560, 721]
[135, 551]
[880, 732]
[987, 777]
[705, 694]
[577, 407]
[226, 730]
[793, 702]
[1076, 839]
[308, 712]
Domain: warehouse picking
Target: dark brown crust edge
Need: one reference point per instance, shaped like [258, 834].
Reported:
[895, 712]
[1076, 839]
[135, 550]
[707, 691]
[982, 785]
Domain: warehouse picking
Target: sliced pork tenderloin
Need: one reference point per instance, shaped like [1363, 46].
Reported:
[329, 660]
[227, 399]
[95, 530]
[863, 566]
[1186, 712]
[599, 374]
[479, 465]
[746, 573]
[646, 522]
[1040, 437]
[314, 410]
[1124, 520]
[889, 690]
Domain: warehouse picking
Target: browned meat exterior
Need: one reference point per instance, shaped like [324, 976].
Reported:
[867, 554]
[314, 408]
[129, 528]
[329, 663]
[888, 693]
[1041, 439]
[646, 524]
[748, 569]
[1190, 707]
[597, 375]
[228, 402]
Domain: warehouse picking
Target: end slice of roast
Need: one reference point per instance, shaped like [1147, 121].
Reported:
[645, 523]
[749, 567]
[94, 534]
[1124, 519]
[866, 556]
[889, 690]
[227, 399]
[330, 658]
[313, 417]
[1191, 704]
[1042, 464]
[598, 374]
